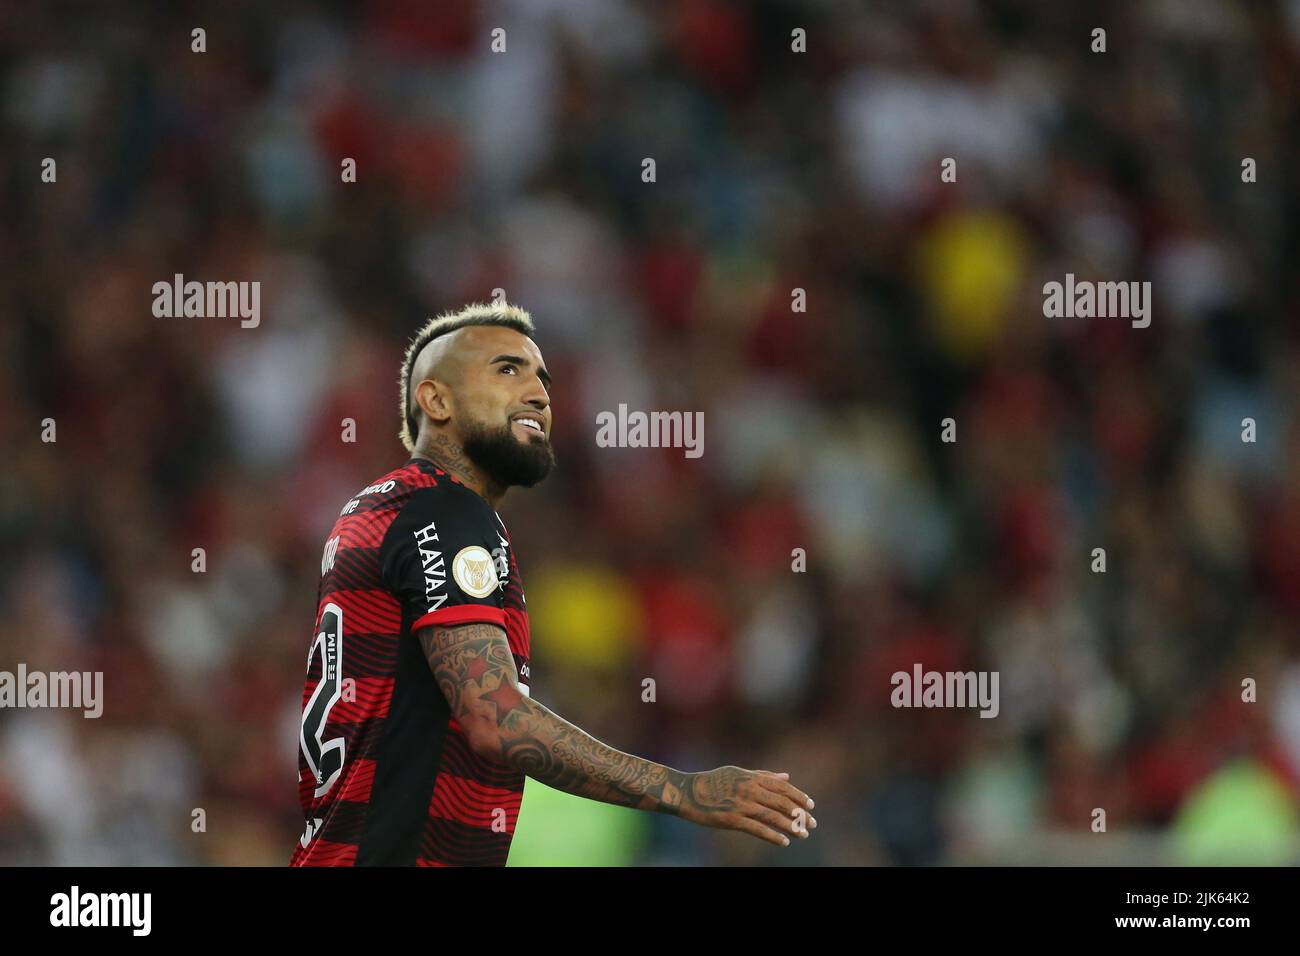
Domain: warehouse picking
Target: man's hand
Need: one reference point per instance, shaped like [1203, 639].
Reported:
[757, 802]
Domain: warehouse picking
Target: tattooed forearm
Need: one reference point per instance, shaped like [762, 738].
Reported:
[476, 671]
[550, 749]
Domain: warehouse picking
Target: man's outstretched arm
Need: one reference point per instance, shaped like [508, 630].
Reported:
[476, 671]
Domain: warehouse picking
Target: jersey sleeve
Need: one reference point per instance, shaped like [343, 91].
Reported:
[438, 558]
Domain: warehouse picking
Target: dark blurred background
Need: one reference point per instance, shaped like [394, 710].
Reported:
[776, 171]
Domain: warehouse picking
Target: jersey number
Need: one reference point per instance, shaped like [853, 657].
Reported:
[325, 757]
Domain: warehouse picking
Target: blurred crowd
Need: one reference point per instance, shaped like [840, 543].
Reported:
[782, 178]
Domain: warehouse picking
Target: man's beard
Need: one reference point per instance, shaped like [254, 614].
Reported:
[504, 459]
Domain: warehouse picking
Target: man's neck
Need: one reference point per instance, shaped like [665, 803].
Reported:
[448, 455]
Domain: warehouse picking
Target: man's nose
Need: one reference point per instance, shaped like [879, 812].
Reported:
[537, 396]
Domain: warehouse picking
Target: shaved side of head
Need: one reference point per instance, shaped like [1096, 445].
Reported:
[439, 360]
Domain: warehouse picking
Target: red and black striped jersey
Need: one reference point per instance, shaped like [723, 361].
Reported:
[385, 773]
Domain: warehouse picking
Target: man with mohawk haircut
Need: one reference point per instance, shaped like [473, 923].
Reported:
[418, 728]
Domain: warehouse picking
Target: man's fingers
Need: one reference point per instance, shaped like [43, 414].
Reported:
[754, 828]
[784, 806]
[772, 782]
[782, 823]
[770, 798]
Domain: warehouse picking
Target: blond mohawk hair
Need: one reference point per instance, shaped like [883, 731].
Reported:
[476, 313]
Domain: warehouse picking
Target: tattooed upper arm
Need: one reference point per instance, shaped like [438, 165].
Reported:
[472, 664]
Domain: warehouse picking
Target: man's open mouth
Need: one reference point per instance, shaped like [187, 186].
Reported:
[532, 424]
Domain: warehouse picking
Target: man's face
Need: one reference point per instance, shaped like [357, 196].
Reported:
[503, 408]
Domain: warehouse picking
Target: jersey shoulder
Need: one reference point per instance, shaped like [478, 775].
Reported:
[417, 493]
[392, 489]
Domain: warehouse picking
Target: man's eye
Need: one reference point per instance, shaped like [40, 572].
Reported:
[510, 367]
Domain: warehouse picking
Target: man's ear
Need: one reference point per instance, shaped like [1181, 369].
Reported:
[435, 400]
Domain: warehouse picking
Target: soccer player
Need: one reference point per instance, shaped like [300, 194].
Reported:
[417, 725]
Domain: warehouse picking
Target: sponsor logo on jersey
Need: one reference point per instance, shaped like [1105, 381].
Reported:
[435, 570]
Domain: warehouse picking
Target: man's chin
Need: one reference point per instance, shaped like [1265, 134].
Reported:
[543, 465]
[509, 459]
